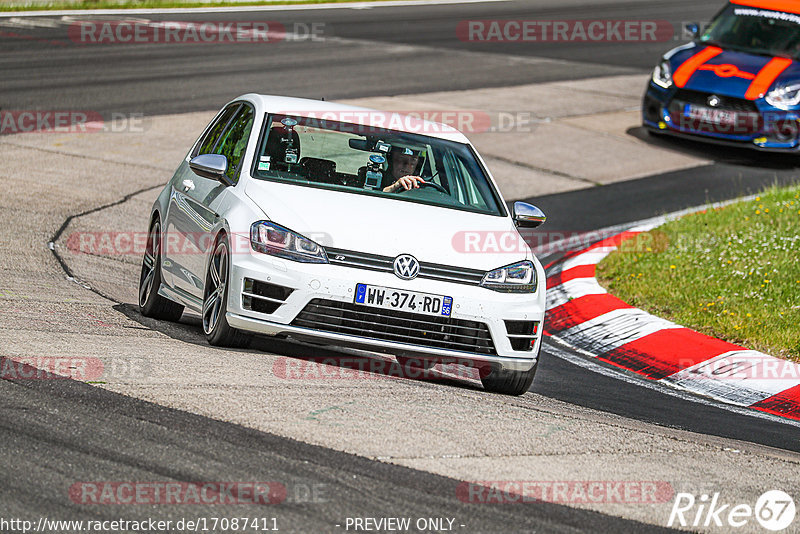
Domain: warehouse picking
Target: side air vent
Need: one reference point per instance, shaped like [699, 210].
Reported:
[522, 334]
[263, 297]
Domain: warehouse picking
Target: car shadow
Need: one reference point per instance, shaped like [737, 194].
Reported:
[310, 361]
[742, 156]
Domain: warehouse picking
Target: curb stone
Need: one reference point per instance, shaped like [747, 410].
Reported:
[582, 314]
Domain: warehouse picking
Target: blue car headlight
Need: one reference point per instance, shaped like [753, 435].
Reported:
[784, 97]
[517, 278]
[273, 239]
[662, 74]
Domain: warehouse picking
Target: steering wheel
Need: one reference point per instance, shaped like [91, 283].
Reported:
[428, 184]
[435, 186]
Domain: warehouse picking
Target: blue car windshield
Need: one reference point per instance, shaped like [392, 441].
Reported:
[756, 30]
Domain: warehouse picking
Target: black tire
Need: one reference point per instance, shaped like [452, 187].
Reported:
[415, 363]
[507, 382]
[215, 301]
[151, 304]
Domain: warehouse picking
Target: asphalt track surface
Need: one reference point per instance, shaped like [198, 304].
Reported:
[378, 51]
[54, 433]
[60, 432]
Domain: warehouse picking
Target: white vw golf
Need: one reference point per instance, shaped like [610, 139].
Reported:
[338, 225]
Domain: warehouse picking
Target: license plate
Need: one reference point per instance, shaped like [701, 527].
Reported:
[402, 300]
[709, 115]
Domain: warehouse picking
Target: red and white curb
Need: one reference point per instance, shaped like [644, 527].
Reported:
[581, 314]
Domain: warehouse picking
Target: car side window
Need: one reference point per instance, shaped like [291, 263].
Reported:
[206, 146]
[233, 140]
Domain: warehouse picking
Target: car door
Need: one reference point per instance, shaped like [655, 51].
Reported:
[194, 200]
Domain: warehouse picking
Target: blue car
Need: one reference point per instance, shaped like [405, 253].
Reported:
[737, 83]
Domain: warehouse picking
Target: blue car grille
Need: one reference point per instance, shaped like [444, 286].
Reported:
[688, 96]
[745, 119]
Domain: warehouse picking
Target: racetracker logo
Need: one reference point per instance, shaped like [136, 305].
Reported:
[565, 31]
[69, 121]
[346, 368]
[83, 368]
[518, 241]
[51, 368]
[565, 492]
[427, 121]
[178, 32]
[172, 244]
[705, 119]
[738, 365]
[148, 493]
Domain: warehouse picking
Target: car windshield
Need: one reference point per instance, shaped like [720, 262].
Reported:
[756, 30]
[317, 152]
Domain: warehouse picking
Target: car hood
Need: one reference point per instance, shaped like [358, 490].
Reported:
[387, 227]
[730, 73]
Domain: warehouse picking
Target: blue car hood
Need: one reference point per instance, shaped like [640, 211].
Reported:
[730, 73]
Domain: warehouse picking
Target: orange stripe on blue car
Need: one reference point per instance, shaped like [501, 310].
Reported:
[766, 76]
[684, 73]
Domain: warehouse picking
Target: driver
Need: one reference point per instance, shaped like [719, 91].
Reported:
[400, 175]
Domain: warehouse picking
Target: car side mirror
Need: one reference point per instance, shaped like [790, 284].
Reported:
[527, 216]
[212, 166]
[692, 29]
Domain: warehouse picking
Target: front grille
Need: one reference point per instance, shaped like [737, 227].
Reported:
[699, 98]
[263, 297]
[522, 334]
[745, 120]
[389, 325]
[433, 271]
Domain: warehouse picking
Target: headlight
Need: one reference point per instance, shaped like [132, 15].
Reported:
[517, 278]
[662, 74]
[270, 238]
[784, 97]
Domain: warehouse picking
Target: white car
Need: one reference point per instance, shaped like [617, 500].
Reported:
[315, 221]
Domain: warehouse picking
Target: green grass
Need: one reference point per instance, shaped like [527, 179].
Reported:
[147, 4]
[731, 272]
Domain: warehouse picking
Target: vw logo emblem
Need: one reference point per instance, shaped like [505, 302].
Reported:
[406, 267]
[713, 101]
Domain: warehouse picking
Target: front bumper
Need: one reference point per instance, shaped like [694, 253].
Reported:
[758, 125]
[305, 283]
[260, 326]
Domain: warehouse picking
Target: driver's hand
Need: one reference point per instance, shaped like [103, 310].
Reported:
[406, 183]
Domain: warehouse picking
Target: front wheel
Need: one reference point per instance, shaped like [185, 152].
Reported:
[509, 382]
[215, 302]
